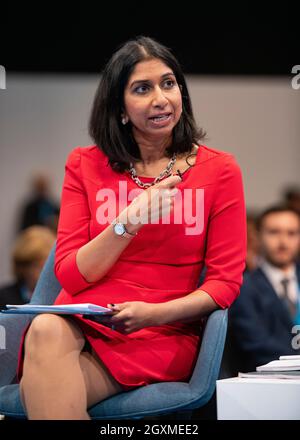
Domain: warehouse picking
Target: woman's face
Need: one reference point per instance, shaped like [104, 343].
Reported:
[152, 100]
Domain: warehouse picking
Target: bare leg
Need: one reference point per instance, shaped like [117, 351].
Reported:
[99, 383]
[79, 378]
[53, 385]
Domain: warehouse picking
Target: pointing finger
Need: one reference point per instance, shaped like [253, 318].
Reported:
[170, 181]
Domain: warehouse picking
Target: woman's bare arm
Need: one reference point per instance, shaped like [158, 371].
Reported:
[186, 309]
[96, 257]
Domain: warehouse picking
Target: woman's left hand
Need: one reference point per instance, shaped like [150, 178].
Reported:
[131, 316]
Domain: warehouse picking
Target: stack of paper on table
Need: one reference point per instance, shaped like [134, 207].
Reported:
[84, 309]
[287, 367]
[285, 364]
[271, 375]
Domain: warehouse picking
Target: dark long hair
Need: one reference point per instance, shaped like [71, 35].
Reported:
[105, 127]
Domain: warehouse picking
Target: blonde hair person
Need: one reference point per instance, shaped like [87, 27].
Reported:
[28, 257]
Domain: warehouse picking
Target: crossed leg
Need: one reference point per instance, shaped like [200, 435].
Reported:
[60, 381]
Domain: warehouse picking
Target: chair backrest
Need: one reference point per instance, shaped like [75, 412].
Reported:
[47, 287]
[207, 368]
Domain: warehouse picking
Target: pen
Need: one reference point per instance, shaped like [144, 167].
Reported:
[180, 175]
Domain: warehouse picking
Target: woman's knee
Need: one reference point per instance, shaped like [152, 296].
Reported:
[48, 330]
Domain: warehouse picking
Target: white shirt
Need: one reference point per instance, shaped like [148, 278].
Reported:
[275, 275]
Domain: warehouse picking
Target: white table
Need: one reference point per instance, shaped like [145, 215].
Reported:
[258, 399]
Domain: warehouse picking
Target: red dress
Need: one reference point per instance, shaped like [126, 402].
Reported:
[161, 263]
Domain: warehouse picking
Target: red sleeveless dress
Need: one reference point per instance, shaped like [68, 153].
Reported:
[163, 262]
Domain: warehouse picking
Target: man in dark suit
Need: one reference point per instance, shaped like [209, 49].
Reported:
[14, 293]
[262, 318]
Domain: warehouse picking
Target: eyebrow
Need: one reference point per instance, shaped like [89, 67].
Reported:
[147, 80]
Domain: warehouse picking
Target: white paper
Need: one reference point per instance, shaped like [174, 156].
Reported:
[292, 356]
[281, 365]
[295, 375]
[84, 309]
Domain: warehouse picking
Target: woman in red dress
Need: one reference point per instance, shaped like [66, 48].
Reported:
[142, 211]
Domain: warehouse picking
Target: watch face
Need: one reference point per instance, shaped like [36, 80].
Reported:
[119, 229]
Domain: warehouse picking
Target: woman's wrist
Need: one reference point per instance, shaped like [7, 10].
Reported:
[125, 218]
[159, 313]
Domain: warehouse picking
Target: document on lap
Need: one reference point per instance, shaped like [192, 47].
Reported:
[71, 309]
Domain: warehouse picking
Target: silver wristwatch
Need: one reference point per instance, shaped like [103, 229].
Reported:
[120, 229]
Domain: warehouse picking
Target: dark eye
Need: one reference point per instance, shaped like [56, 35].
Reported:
[169, 83]
[141, 89]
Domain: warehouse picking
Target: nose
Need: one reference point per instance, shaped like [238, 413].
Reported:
[284, 241]
[159, 99]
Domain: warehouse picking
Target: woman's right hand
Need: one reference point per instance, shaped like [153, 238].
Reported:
[152, 204]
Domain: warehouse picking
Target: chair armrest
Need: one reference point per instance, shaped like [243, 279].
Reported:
[47, 287]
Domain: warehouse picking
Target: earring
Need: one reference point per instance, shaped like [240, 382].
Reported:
[124, 120]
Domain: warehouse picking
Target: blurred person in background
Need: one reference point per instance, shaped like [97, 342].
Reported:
[29, 254]
[291, 197]
[262, 317]
[40, 208]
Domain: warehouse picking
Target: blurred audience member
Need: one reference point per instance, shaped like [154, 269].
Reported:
[262, 317]
[40, 209]
[252, 243]
[29, 254]
[292, 200]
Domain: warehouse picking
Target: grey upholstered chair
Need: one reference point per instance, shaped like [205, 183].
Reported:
[161, 398]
